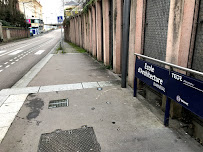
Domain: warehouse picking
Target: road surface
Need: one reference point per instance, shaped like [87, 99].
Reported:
[17, 58]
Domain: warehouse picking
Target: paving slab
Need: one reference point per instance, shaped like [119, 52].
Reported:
[16, 91]
[62, 87]
[121, 122]
[3, 99]
[7, 119]
[3, 132]
[90, 85]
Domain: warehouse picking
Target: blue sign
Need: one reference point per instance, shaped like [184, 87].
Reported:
[60, 18]
[152, 75]
[186, 91]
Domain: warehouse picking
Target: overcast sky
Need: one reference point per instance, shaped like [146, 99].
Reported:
[52, 9]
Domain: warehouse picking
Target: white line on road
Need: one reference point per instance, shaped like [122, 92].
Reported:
[12, 62]
[1, 70]
[17, 60]
[16, 52]
[19, 48]
[6, 63]
[39, 52]
[2, 52]
[7, 66]
[0, 66]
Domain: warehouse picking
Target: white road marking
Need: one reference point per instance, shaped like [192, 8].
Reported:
[6, 63]
[2, 52]
[1, 70]
[12, 62]
[39, 52]
[7, 66]
[19, 48]
[0, 66]
[21, 57]
[16, 52]
[15, 58]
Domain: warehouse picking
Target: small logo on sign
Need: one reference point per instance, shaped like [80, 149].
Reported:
[178, 98]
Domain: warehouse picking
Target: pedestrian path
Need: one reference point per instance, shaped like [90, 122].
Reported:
[11, 100]
[120, 122]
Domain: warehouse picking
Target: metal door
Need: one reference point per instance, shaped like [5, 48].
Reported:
[156, 28]
[197, 63]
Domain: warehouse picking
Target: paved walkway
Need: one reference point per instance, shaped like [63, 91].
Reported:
[121, 123]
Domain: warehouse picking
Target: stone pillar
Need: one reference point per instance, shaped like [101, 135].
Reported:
[85, 33]
[106, 34]
[99, 30]
[80, 30]
[117, 35]
[90, 31]
[94, 41]
[178, 40]
[136, 34]
[1, 33]
[8, 33]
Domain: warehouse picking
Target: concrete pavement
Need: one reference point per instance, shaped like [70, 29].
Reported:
[121, 122]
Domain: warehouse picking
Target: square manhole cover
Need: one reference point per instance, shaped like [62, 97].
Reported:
[76, 140]
[58, 103]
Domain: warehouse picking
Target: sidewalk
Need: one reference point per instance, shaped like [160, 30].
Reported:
[99, 115]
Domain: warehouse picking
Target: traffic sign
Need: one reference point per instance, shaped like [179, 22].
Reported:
[60, 18]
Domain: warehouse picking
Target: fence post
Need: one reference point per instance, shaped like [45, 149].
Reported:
[167, 112]
[1, 32]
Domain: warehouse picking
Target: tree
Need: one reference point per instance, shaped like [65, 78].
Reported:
[10, 15]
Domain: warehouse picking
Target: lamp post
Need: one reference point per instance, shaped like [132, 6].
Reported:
[61, 30]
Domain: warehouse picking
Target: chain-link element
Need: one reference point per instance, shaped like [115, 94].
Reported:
[156, 27]
[76, 140]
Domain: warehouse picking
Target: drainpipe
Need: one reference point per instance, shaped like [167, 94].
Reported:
[125, 41]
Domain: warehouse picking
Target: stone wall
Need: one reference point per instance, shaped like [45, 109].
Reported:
[9, 33]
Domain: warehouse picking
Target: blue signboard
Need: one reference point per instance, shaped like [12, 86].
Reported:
[186, 91]
[152, 75]
[60, 18]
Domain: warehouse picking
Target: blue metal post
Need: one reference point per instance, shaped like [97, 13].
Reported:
[135, 81]
[135, 87]
[167, 112]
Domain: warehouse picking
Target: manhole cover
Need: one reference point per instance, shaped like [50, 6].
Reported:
[76, 140]
[58, 103]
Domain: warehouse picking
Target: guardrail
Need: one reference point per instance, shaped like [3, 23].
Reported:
[183, 89]
[170, 64]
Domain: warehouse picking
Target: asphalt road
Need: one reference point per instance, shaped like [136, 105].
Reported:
[17, 58]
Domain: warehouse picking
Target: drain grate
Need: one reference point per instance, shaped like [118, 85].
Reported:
[76, 140]
[58, 103]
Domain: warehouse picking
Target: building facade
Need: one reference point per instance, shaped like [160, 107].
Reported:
[33, 13]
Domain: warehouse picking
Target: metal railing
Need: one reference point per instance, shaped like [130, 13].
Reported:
[170, 64]
[168, 100]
